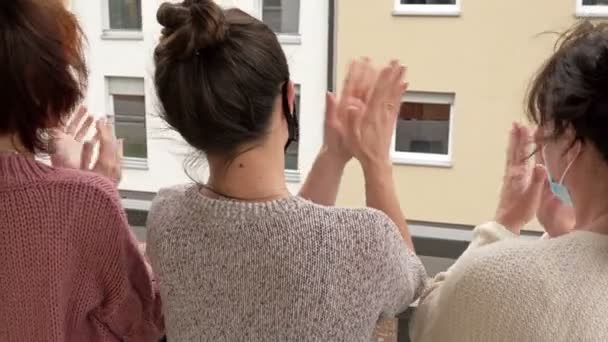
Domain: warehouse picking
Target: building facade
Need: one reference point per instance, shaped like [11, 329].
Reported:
[470, 63]
[122, 35]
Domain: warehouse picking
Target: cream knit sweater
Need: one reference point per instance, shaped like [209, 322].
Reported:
[513, 290]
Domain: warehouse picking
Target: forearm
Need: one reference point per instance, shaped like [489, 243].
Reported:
[380, 193]
[323, 181]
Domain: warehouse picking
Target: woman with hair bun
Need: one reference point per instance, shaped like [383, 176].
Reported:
[238, 257]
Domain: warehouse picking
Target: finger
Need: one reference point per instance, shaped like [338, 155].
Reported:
[355, 110]
[348, 86]
[535, 190]
[76, 120]
[397, 85]
[331, 105]
[120, 150]
[357, 78]
[524, 142]
[379, 92]
[361, 86]
[107, 141]
[84, 129]
[371, 82]
[88, 149]
[512, 146]
[331, 110]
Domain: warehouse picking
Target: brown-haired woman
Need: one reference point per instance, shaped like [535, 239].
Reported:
[70, 269]
[239, 258]
[551, 289]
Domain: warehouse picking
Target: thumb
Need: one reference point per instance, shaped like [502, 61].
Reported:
[537, 184]
[330, 106]
[87, 155]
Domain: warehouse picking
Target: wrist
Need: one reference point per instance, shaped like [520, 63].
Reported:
[377, 168]
[510, 223]
[336, 157]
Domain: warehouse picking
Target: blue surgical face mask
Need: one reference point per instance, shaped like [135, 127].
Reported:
[558, 188]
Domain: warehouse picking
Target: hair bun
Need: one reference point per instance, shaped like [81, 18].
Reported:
[172, 16]
[198, 23]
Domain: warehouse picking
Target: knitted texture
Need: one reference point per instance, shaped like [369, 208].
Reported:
[70, 269]
[286, 270]
[504, 289]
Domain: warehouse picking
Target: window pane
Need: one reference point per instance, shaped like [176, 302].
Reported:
[428, 2]
[130, 123]
[423, 128]
[282, 16]
[130, 105]
[125, 14]
[595, 2]
[291, 155]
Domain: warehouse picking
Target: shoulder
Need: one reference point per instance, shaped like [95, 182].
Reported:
[87, 186]
[94, 205]
[167, 203]
[502, 271]
[353, 218]
[369, 228]
[168, 198]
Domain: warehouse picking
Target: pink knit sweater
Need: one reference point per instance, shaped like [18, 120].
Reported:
[70, 269]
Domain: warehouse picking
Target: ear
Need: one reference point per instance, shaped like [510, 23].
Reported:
[574, 147]
[291, 96]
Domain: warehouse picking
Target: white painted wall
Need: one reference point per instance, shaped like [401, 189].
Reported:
[133, 58]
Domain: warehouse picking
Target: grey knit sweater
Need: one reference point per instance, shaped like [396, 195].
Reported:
[286, 270]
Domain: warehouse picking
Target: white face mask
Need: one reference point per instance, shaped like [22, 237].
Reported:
[559, 189]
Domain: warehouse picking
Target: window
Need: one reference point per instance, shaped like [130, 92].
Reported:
[291, 155]
[127, 104]
[423, 131]
[282, 16]
[427, 7]
[592, 8]
[123, 19]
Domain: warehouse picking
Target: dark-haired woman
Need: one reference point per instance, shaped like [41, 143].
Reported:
[551, 289]
[239, 258]
[70, 269]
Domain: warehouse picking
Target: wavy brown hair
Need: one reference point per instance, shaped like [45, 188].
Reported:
[571, 88]
[43, 73]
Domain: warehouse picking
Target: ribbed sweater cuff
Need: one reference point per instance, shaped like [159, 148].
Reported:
[489, 233]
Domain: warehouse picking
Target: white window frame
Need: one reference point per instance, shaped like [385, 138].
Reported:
[284, 38]
[590, 11]
[113, 34]
[132, 89]
[427, 10]
[426, 159]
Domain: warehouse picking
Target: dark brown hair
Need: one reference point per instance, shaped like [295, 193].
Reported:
[571, 89]
[42, 68]
[218, 74]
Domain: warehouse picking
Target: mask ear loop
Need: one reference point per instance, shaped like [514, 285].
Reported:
[561, 181]
[290, 116]
[542, 151]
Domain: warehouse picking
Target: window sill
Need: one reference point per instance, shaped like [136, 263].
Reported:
[592, 12]
[421, 159]
[289, 39]
[292, 176]
[427, 10]
[122, 35]
[135, 164]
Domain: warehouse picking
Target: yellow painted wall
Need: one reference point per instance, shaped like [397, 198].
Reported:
[486, 56]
